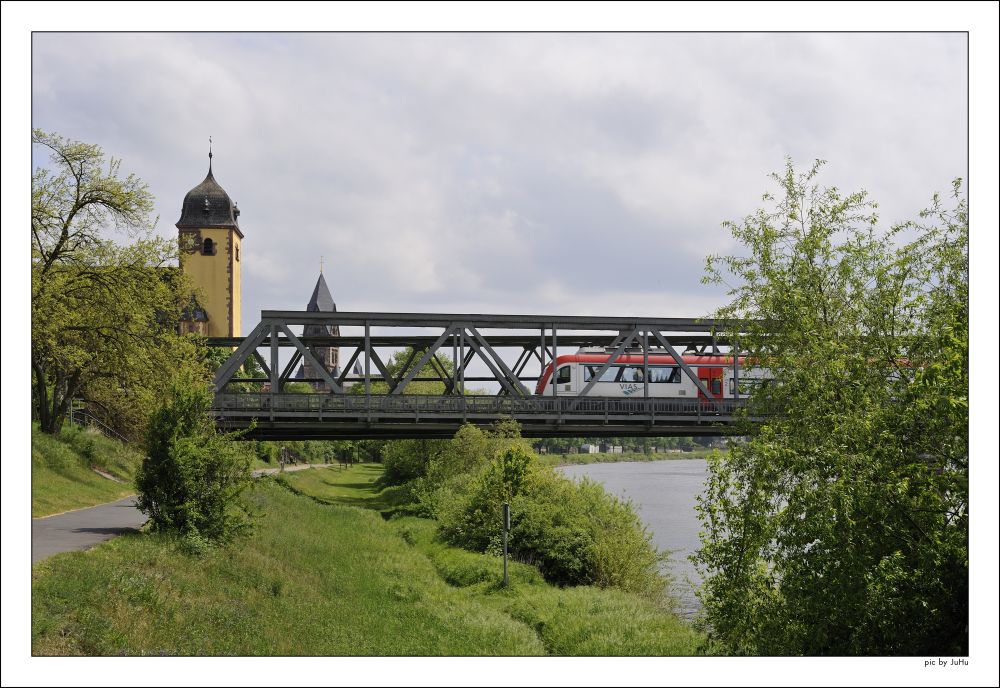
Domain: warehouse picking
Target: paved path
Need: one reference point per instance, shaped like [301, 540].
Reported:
[84, 528]
[290, 469]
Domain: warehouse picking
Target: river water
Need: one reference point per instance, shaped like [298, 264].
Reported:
[664, 495]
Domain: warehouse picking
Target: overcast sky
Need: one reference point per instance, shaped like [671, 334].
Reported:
[577, 174]
[495, 172]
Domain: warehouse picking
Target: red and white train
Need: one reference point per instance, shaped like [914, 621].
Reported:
[624, 378]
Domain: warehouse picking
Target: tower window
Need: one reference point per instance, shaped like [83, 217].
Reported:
[208, 248]
[237, 254]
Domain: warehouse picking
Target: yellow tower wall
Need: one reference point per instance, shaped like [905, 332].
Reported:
[235, 304]
[217, 278]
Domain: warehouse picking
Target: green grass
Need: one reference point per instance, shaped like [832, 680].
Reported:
[325, 573]
[568, 621]
[312, 580]
[352, 486]
[62, 475]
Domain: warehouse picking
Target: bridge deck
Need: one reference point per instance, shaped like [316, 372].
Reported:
[349, 416]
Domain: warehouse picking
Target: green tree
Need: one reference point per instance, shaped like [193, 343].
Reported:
[103, 311]
[406, 460]
[840, 526]
[192, 477]
[216, 356]
[404, 361]
[298, 388]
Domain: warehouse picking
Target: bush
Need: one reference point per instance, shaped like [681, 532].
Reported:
[576, 533]
[579, 534]
[450, 471]
[266, 451]
[192, 478]
[407, 460]
[471, 519]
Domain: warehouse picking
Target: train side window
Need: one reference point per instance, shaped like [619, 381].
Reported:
[747, 385]
[631, 374]
[664, 374]
[563, 375]
[610, 375]
[716, 385]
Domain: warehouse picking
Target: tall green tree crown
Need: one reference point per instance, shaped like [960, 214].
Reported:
[105, 299]
[840, 525]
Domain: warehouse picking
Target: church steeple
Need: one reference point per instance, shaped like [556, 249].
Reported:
[321, 302]
[321, 299]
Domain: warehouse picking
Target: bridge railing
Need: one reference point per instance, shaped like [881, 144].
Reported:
[251, 404]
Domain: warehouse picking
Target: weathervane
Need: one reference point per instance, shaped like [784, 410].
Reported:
[209, 153]
[321, 265]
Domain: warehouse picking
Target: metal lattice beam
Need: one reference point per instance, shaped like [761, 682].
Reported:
[506, 354]
[596, 377]
[307, 355]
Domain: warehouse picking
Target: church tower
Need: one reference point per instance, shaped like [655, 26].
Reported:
[210, 238]
[329, 356]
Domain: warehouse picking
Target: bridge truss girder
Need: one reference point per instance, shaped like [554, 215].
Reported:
[470, 337]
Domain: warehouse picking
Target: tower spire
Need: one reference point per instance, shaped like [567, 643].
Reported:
[210, 155]
[321, 265]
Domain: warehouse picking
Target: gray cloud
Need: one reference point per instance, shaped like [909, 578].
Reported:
[564, 173]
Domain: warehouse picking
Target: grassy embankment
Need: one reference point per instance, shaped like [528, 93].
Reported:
[63, 475]
[328, 579]
[570, 621]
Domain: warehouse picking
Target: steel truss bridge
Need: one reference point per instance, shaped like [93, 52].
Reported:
[509, 347]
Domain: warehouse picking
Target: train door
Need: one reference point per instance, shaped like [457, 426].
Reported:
[712, 379]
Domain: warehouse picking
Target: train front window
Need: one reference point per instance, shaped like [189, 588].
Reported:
[562, 376]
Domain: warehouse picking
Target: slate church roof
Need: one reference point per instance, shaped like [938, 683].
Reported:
[321, 301]
[208, 205]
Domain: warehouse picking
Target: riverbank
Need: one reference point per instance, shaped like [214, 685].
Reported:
[580, 620]
[325, 574]
[664, 495]
[557, 460]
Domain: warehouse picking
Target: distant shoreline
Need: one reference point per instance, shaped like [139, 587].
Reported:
[558, 460]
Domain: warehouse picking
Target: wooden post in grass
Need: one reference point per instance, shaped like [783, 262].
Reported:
[506, 529]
